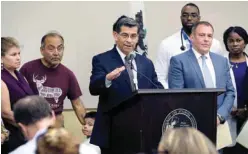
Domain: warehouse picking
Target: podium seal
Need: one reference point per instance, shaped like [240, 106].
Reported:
[179, 118]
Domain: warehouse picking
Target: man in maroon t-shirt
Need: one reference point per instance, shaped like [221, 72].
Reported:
[52, 80]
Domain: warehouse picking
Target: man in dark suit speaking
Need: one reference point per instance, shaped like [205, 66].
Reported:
[116, 74]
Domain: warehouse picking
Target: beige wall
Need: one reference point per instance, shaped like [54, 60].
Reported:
[87, 28]
[163, 19]
[73, 125]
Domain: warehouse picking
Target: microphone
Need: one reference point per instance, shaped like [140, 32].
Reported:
[129, 58]
[132, 55]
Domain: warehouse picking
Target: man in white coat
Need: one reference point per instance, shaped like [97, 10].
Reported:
[180, 42]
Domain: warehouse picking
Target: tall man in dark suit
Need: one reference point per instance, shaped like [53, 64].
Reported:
[114, 80]
[200, 68]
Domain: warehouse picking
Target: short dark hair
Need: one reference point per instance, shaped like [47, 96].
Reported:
[236, 29]
[114, 25]
[206, 23]
[91, 114]
[31, 109]
[50, 34]
[128, 22]
[191, 4]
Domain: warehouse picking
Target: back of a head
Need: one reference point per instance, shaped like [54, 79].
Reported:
[57, 141]
[31, 109]
[185, 141]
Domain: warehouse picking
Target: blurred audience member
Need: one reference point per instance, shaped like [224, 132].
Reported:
[4, 133]
[57, 141]
[34, 115]
[185, 141]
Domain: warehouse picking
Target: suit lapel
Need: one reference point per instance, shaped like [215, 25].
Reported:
[139, 66]
[117, 61]
[139, 69]
[216, 68]
[196, 66]
[116, 58]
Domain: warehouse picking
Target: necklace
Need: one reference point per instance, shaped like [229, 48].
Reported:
[237, 62]
[236, 65]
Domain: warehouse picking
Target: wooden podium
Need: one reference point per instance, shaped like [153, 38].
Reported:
[137, 123]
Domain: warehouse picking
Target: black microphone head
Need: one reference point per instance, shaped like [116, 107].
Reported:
[182, 47]
[131, 56]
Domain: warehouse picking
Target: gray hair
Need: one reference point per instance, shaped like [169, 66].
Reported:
[50, 34]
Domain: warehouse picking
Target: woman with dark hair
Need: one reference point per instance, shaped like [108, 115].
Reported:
[235, 40]
[13, 87]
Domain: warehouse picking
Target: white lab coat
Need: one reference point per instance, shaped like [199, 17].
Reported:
[169, 47]
[232, 122]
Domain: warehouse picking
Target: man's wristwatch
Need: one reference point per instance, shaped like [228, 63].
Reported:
[222, 119]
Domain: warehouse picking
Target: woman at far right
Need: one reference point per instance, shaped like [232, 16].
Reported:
[235, 40]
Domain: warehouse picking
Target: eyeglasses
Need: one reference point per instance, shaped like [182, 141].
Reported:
[192, 15]
[125, 36]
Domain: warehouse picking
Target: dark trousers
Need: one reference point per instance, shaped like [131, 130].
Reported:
[237, 149]
[105, 151]
[14, 142]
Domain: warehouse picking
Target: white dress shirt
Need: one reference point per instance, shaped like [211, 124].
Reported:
[31, 146]
[135, 80]
[170, 47]
[208, 63]
[87, 148]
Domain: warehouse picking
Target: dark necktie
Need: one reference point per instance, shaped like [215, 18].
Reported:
[130, 73]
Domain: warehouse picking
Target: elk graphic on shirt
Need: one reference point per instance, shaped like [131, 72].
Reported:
[47, 92]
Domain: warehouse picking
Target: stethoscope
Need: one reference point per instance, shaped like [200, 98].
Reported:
[184, 35]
